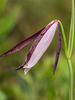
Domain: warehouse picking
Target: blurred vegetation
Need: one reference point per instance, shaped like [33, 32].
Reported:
[18, 20]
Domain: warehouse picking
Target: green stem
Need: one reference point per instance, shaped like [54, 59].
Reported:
[71, 35]
[70, 80]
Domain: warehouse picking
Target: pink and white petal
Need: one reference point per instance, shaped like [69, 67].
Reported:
[42, 46]
[26, 70]
[36, 42]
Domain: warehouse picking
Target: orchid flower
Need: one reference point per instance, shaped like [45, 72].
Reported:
[42, 41]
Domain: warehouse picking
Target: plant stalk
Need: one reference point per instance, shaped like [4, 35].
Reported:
[70, 79]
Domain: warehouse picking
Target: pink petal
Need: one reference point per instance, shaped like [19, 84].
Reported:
[42, 46]
[26, 70]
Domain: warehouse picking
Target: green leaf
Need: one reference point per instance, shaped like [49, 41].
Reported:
[71, 35]
[64, 40]
[2, 5]
[9, 22]
[2, 96]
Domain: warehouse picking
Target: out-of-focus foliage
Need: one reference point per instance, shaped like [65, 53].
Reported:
[18, 20]
[2, 5]
[8, 20]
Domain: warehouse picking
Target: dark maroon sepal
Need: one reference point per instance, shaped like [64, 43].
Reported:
[58, 48]
[22, 44]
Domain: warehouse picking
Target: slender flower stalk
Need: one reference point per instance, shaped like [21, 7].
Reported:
[70, 79]
[68, 52]
[70, 48]
[71, 35]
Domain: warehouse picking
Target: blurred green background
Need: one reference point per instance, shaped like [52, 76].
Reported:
[20, 19]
